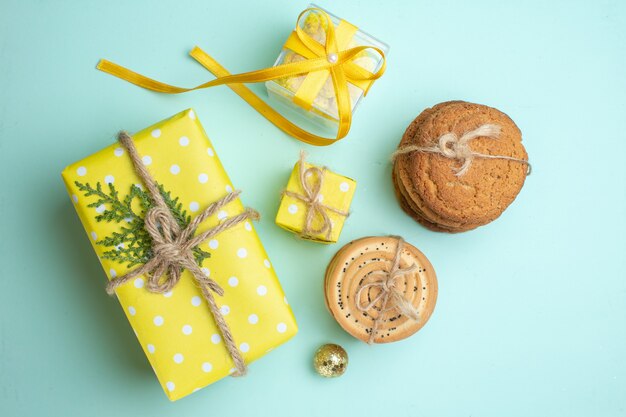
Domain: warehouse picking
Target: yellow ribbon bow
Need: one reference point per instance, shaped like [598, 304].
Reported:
[329, 57]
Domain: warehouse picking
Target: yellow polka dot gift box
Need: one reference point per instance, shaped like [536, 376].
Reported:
[185, 341]
[315, 203]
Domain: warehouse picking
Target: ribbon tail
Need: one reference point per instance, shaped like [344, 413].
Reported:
[138, 79]
[260, 105]
[219, 71]
[235, 83]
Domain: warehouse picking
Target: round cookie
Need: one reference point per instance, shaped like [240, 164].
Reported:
[359, 269]
[489, 186]
[480, 195]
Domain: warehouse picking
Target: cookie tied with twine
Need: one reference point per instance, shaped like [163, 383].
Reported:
[172, 249]
[317, 221]
[458, 166]
[380, 289]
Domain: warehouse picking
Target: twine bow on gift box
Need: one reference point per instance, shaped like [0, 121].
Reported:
[311, 180]
[172, 249]
[330, 59]
[389, 296]
[453, 147]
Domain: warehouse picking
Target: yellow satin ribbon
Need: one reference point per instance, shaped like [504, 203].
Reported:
[338, 62]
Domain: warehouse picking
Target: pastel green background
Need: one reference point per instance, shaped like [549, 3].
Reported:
[531, 316]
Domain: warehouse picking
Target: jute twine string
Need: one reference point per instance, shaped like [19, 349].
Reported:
[391, 297]
[453, 147]
[172, 249]
[311, 199]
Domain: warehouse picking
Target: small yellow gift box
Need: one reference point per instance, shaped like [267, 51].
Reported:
[315, 203]
[176, 329]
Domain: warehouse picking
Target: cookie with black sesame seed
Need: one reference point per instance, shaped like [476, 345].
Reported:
[358, 277]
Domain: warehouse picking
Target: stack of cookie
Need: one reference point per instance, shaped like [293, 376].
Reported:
[458, 166]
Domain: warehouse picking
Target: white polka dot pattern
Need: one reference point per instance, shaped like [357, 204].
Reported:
[176, 330]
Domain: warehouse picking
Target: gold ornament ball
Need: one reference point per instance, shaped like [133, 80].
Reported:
[330, 360]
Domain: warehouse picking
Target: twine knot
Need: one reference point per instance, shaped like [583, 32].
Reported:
[164, 244]
[311, 181]
[170, 252]
[451, 146]
[172, 249]
[389, 296]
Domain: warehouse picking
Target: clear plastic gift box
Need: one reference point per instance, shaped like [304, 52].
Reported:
[323, 109]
